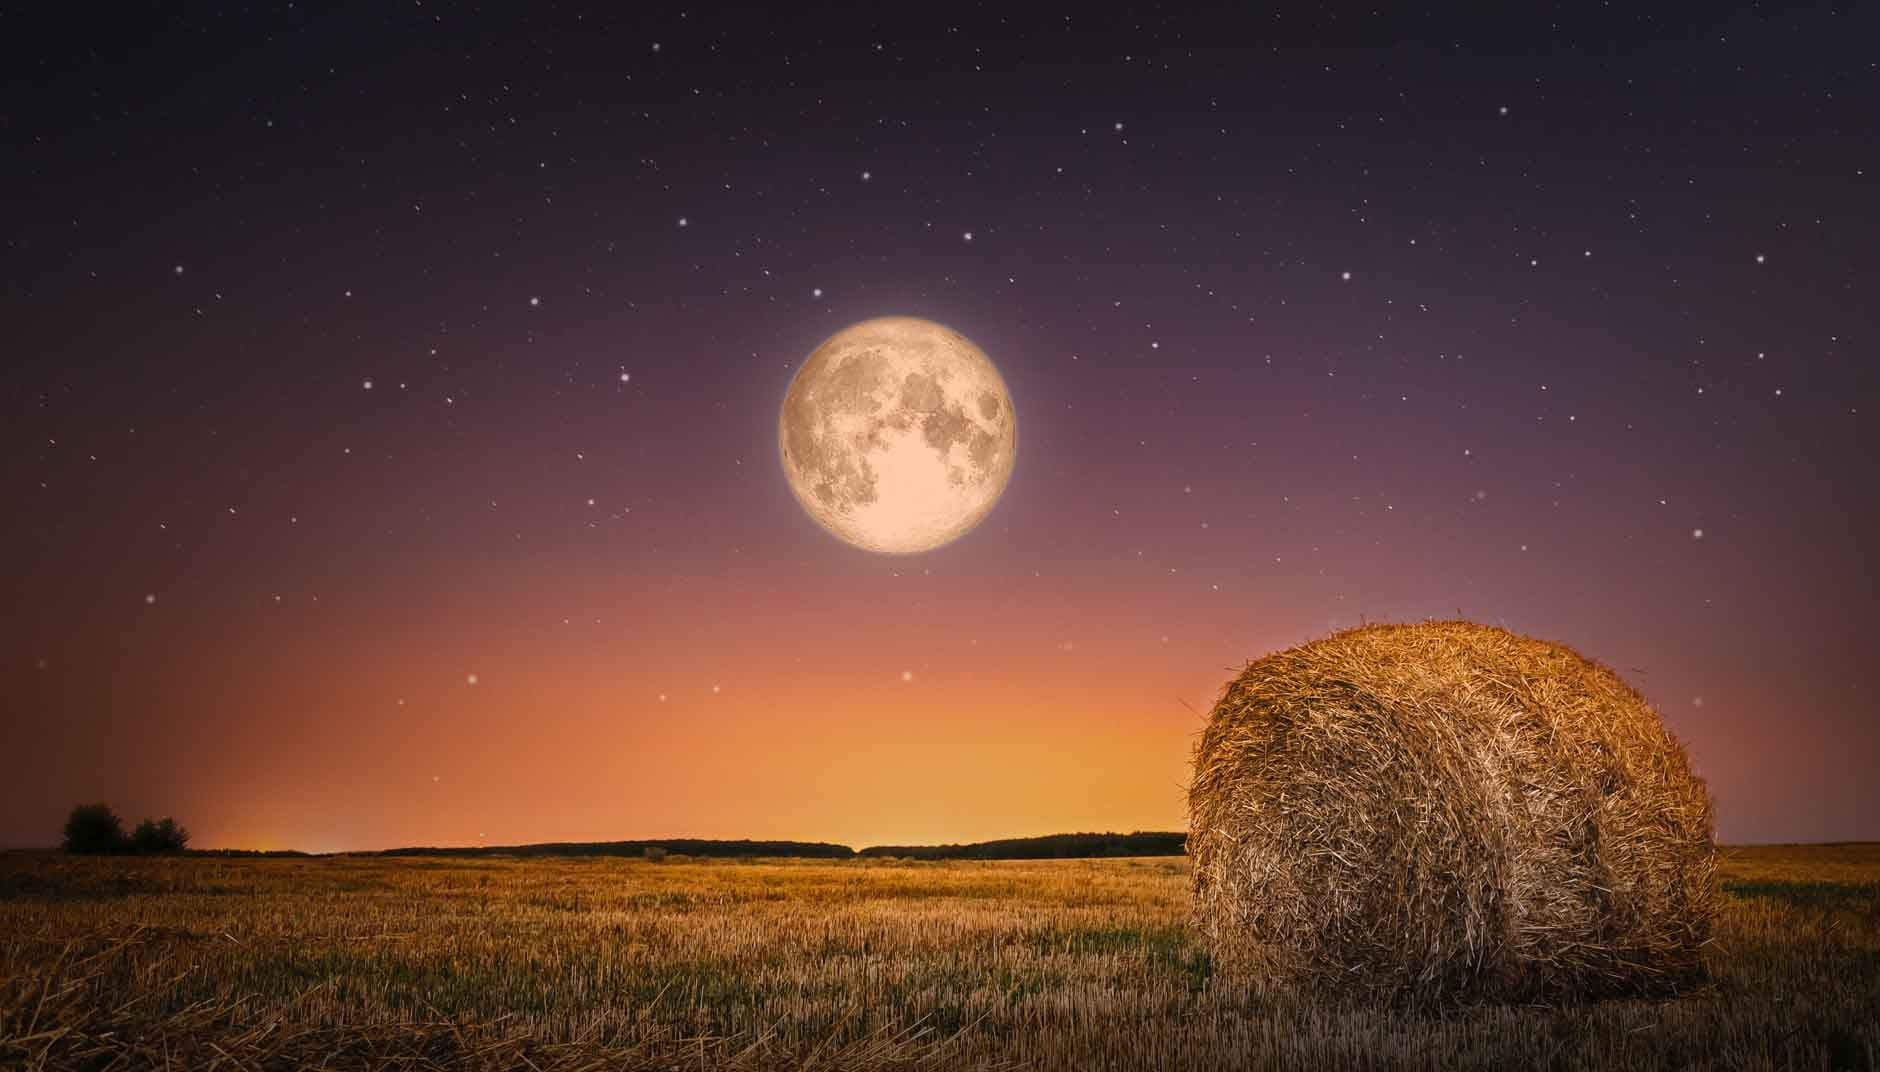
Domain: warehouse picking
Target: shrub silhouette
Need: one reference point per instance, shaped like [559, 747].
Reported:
[161, 835]
[94, 828]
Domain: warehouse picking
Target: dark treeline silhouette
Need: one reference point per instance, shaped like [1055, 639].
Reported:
[1050, 847]
[673, 846]
[95, 828]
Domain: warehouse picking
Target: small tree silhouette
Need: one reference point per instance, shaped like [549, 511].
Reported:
[162, 835]
[94, 828]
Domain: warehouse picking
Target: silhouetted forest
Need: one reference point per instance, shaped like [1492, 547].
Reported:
[673, 846]
[95, 828]
[1050, 847]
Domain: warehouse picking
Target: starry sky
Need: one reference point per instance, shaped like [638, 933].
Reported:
[391, 394]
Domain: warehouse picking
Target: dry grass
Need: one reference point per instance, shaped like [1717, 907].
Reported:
[1448, 812]
[607, 963]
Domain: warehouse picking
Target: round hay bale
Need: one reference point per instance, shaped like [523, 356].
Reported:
[1448, 812]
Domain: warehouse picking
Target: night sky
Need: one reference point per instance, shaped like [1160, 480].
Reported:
[391, 392]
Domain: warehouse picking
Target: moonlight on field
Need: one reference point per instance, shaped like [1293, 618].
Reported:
[898, 435]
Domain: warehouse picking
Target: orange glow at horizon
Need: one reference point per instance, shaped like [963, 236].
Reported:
[756, 702]
[689, 719]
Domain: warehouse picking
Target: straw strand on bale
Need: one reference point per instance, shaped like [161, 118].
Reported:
[1448, 811]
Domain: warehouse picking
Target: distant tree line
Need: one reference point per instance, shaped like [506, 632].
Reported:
[1051, 847]
[643, 849]
[95, 828]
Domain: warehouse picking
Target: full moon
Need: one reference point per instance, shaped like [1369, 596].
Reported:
[898, 435]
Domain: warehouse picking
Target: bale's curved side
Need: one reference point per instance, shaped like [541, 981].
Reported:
[1448, 810]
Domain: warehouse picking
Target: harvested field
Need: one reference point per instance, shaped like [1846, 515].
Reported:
[361, 963]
